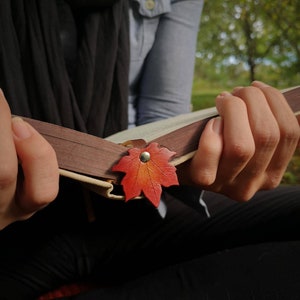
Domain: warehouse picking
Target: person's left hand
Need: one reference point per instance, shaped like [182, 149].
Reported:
[248, 147]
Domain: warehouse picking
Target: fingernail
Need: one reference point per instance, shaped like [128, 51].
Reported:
[236, 89]
[223, 94]
[217, 125]
[219, 100]
[20, 128]
[260, 83]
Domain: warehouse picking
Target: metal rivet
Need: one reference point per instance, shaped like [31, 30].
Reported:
[145, 156]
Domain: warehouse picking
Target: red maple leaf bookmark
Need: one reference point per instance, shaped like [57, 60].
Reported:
[147, 169]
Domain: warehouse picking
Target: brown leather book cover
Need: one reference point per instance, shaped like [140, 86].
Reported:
[89, 159]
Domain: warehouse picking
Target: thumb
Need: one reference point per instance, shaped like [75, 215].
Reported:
[204, 165]
[39, 165]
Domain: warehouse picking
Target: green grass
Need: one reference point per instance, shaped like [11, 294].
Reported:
[203, 94]
[205, 100]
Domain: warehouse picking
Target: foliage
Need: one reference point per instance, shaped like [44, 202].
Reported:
[240, 41]
[292, 174]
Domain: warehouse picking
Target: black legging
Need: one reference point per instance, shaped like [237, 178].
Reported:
[244, 250]
[262, 271]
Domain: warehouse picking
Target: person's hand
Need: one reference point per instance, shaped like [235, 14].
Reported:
[248, 147]
[28, 168]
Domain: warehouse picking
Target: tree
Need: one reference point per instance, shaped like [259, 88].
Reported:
[284, 16]
[252, 33]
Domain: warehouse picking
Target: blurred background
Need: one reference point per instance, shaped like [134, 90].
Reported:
[246, 40]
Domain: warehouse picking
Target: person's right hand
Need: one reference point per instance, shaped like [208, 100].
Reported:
[28, 168]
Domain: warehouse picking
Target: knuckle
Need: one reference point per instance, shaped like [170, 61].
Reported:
[249, 91]
[8, 175]
[35, 195]
[271, 90]
[291, 136]
[268, 138]
[241, 151]
[244, 195]
[44, 195]
[44, 151]
[24, 217]
[45, 200]
[239, 191]
[273, 180]
[204, 178]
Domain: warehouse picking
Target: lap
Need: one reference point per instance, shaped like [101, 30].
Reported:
[260, 271]
[131, 240]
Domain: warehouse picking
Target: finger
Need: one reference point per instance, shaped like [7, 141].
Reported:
[298, 120]
[39, 165]
[238, 140]
[264, 128]
[205, 162]
[288, 130]
[8, 158]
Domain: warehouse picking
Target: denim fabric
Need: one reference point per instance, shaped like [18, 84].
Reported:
[163, 37]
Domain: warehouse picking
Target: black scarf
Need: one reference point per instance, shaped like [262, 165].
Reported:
[66, 65]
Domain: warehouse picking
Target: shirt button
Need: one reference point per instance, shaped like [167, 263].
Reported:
[150, 4]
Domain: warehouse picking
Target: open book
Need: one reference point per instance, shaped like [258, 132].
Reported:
[89, 159]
